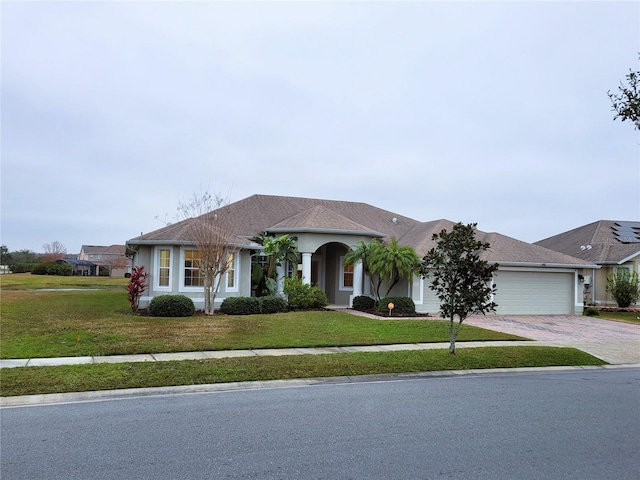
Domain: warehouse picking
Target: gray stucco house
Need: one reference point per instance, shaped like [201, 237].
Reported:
[531, 279]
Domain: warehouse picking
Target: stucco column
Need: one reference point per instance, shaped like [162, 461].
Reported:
[306, 268]
[280, 280]
[358, 278]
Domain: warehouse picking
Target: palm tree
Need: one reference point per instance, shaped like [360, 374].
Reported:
[365, 253]
[392, 262]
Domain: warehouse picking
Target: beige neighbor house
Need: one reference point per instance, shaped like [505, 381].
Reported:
[111, 259]
[531, 279]
[612, 245]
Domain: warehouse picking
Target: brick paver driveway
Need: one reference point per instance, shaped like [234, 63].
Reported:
[614, 342]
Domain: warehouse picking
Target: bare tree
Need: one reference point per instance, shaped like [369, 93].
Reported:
[53, 251]
[212, 241]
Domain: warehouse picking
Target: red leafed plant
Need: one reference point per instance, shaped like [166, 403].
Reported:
[136, 287]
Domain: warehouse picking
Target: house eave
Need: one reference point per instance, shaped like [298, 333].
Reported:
[545, 265]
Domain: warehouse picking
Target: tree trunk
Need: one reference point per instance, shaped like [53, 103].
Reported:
[452, 338]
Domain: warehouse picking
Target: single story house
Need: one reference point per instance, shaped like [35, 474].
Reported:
[611, 245]
[530, 280]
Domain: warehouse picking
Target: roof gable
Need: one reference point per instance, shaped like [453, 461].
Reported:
[598, 242]
[320, 218]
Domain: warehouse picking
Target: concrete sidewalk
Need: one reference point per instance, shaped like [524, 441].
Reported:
[619, 353]
[262, 352]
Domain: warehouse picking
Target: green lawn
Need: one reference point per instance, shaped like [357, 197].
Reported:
[62, 323]
[79, 378]
[629, 317]
[96, 320]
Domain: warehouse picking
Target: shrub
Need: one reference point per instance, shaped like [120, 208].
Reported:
[52, 268]
[22, 267]
[171, 306]
[591, 312]
[302, 296]
[39, 269]
[624, 287]
[240, 306]
[363, 303]
[272, 304]
[136, 287]
[401, 305]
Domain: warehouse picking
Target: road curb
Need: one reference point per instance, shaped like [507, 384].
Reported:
[104, 395]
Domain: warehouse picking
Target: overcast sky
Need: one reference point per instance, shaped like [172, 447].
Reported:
[491, 112]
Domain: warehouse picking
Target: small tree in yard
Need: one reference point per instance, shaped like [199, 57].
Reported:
[213, 242]
[461, 279]
[624, 287]
[136, 287]
[626, 103]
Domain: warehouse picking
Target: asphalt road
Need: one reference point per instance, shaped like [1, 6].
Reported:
[574, 424]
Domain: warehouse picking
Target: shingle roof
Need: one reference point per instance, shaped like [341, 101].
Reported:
[270, 213]
[595, 242]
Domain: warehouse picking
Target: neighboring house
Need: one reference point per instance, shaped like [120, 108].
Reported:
[111, 259]
[79, 267]
[611, 245]
[530, 280]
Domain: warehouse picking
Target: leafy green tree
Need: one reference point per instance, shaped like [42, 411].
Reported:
[392, 262]
[278, 250]
[24, 256]
[624, 287]
[460, 278]
[5, 257]
[626, 103]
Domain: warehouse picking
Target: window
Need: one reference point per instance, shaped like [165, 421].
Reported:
[346, 278]
[164, 267]
[192, 275]
[231, 272]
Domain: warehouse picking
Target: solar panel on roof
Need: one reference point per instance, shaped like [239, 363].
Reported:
[627, 232]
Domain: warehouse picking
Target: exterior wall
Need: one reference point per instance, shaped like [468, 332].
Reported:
[600, 295]
[148, 256]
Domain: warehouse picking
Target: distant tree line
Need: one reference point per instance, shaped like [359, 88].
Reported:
[25, 261]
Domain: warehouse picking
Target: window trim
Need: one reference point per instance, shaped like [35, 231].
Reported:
[183, 287]
[342, 287]
[156, 269]
[235, 267]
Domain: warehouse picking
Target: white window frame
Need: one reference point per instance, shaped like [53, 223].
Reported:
[236, 274]
[183, 287]
[156, 269]
[342, 287]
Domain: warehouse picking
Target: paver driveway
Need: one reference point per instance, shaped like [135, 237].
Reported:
[614, 342]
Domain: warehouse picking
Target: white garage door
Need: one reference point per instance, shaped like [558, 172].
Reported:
[534, 293]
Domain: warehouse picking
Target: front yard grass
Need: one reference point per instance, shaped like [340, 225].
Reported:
[99, 322]
[629, 317]
[96, 320]
[80, 378]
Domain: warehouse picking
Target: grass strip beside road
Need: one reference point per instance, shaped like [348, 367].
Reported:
[104, 376]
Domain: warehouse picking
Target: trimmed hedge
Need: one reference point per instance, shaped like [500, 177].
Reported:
[272, 304]
[253, 305]
[240, 306]
[171, 306]
[363, 303]
[402, 306]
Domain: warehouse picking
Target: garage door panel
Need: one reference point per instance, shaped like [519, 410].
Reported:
[534, 292]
